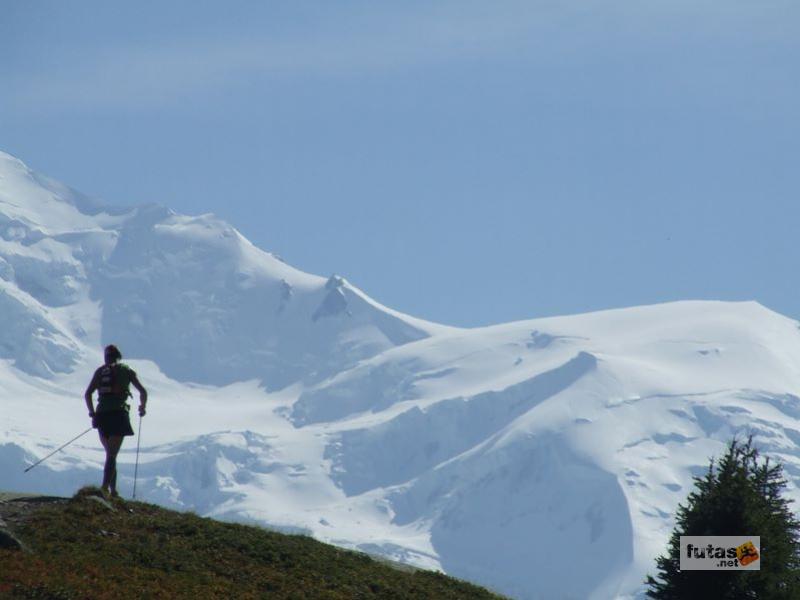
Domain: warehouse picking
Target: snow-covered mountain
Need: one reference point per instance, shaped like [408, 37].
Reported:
[542, 458]
[189, 293]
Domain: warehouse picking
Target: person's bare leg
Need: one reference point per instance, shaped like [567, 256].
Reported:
[112, 445]
[104, 441]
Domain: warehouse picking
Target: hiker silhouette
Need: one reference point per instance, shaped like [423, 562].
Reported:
[112, 382]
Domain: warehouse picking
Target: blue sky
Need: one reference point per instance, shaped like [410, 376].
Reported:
[466, 162]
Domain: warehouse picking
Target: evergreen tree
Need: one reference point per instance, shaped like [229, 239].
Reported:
[739, 495]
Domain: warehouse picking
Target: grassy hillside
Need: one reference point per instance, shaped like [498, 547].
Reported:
[79, 548]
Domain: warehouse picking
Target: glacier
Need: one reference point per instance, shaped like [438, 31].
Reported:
[543, 458]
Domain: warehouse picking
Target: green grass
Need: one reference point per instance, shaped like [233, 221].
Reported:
[80, 549]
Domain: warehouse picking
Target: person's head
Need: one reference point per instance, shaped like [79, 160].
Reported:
[112, 354]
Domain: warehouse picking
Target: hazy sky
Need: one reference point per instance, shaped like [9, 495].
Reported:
[466, 162]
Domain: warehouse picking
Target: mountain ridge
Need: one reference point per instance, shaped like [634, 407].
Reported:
[87, 546]
[135, 260]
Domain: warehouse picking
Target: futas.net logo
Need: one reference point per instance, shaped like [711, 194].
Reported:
[720, 553]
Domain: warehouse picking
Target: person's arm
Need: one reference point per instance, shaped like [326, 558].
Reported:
[88, 395]
[142, 394]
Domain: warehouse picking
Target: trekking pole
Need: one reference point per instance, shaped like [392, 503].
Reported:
[136, 468]
[58, 449]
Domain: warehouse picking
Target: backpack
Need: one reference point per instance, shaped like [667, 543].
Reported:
[113, 381]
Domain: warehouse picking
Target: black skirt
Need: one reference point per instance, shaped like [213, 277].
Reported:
[113, 422]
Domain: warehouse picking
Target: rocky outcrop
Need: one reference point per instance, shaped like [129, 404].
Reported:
[14, 508]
